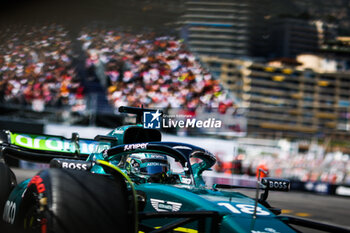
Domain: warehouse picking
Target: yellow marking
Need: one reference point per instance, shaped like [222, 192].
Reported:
[286, 211]
[179, 229]
[303, 214]
[187, 230]
[31, 221]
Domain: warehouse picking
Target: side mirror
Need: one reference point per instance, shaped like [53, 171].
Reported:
[273, 184]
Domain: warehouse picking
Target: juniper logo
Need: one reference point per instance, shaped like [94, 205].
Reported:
[152, 120]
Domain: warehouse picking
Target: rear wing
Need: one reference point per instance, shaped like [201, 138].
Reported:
[42, 148]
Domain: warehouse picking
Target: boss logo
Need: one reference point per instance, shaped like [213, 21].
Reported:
[77, 166]
[9, 212]
[276, 184]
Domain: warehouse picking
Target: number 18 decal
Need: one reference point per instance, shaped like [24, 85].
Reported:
[243, 208]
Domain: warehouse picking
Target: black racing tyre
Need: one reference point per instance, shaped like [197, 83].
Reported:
[70, 201]
[7, 183]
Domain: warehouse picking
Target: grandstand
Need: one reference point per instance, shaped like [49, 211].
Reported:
[150, 70]
[37, 68]
[100, 70]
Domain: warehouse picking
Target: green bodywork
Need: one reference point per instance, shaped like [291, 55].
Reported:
[235, 208]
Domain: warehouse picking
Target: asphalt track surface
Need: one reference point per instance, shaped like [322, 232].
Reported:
[322, 208]
[326, 209]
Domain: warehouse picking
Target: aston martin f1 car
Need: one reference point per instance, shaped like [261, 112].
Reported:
[129, 181]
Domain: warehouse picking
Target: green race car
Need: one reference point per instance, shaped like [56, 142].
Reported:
[129, 181]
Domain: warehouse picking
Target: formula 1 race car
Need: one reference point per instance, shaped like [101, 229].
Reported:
[129, 181]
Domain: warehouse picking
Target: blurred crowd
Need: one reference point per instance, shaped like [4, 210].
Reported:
[332, 167]
[36, 67]
[321, 166]
[149, 70]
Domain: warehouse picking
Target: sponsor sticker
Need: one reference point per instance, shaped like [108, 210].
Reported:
[77, 166]
[9, 212]
[266, 230]
[276, 184]
[185, 180]
[135, 146]
[243, 208]
[165, 206]
[48, 143]
[38, 181]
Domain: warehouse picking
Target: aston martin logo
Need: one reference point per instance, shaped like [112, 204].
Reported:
[165, 206]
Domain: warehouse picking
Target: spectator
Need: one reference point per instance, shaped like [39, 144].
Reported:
[36, 67]
[151, 71]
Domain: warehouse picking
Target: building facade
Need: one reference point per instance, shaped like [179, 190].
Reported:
[292, 36]
[253, 28]
[216, 28]
[289, 100]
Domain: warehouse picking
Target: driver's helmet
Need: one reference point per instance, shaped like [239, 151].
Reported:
[145, 165]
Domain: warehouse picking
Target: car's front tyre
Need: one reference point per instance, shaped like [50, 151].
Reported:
[60, 200]
[7, 183]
